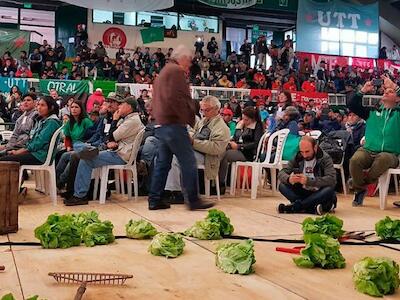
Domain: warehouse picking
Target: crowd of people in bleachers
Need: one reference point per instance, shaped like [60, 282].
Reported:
[208, 69]
[112, 123]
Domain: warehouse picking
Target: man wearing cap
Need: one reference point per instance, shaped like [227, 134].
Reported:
[95, 141]
[227, 115]
[124, 129]
[173, 109]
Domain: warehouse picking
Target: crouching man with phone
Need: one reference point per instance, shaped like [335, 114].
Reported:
[309, 181]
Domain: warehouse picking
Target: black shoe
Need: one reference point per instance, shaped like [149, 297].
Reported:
[396, 203]
[359, 198]
[89, 153]
[76, 201]
[66, 195]
[176, 198]
[281, 208]
[158, 205]
[200, 204]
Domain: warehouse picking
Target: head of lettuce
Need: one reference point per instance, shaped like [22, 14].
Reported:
[167, 244]
[376, 276]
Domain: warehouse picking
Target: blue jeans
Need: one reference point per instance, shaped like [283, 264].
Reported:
[308, 200]
[174, 140]
[85, 168]
[62, 168]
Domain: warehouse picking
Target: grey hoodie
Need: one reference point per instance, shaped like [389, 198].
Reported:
[22, 129]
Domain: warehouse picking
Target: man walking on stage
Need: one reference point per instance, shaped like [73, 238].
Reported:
[173, 109]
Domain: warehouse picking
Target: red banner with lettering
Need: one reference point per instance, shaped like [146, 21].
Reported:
[332, 60]
[301, 98]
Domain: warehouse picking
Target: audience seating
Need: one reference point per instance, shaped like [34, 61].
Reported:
[48, 167]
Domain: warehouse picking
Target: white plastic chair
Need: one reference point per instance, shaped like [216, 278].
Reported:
[48, 166]
[260, 147]
[6, 135]
[257, 167]
[2, 126]
[130, 167]
[207, 183]
[384, 181]
[314, 134]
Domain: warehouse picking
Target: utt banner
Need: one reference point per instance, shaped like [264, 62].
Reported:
[6, 83]
[338, 28]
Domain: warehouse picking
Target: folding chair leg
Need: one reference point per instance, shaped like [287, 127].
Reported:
[122, 181]
[396, 184]
[384, 181]
[129, 183]
[233, 179]
[207, 184]
[103, 185]
[117, 182]
[97, 174]
[244, 179]
[273, 181]
[217, 187]
[52, 187]
[135, 182]
[254, 181]
[343, 181]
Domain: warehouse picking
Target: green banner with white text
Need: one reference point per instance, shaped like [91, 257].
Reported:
[64, 87]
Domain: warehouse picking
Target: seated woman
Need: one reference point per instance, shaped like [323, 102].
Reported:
[36, 149]
[244, 144]
[289, 120]
[74, 131]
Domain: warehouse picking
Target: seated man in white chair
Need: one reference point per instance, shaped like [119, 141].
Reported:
[309, 181]
[124, 129]
[210, 139]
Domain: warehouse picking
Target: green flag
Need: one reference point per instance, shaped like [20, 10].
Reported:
[14, 41]
[152, 34]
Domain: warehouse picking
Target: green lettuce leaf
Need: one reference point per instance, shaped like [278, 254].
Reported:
[83, 219]
[327, 224]
[204, 230]
[8, 297]
[59, 231]
[167, 244]
[321, 251]
[98, 234]
[236, 257]
[219, 217]
[388, 229]
[376, 276]
[140, 229]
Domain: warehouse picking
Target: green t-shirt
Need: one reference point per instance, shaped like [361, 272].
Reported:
[78, 130]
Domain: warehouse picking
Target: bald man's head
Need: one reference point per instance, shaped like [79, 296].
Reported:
[308, 147]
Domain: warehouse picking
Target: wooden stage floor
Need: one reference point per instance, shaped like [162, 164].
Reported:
[193, 275]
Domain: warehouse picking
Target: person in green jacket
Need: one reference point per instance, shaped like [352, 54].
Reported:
[74, 132]
[35, 152]
[382, 142]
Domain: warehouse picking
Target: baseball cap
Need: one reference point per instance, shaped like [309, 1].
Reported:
[112, 96]
[227, 111]
[130, 100]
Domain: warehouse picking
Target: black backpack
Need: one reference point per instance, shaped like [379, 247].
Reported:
[333, 147]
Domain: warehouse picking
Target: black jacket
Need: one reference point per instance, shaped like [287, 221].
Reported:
[248, 140]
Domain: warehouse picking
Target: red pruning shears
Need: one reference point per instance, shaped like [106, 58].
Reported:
[294, 250]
